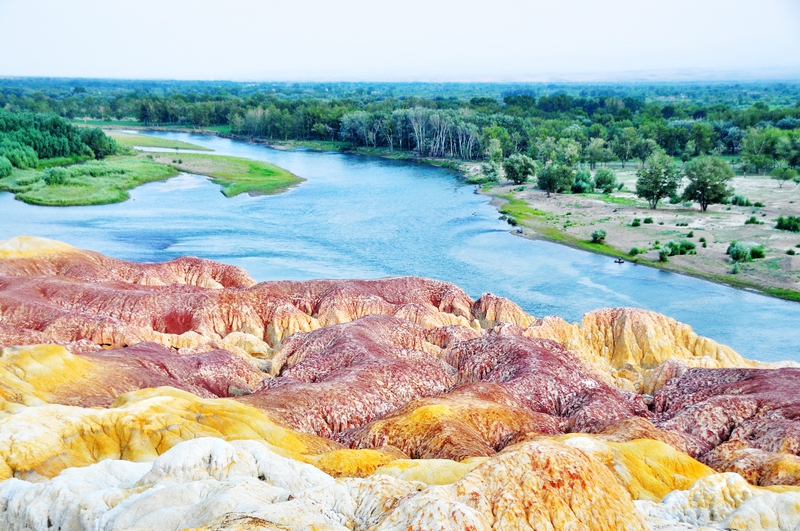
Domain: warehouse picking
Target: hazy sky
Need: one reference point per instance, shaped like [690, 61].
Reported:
[402, 40]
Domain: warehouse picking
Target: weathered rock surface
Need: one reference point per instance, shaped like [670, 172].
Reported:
[175, 395]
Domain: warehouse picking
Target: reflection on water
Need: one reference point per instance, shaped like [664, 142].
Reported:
[361, 217]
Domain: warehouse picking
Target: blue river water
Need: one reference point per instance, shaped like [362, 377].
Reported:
[364, 217]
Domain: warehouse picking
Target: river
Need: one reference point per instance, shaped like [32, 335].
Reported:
[367, 217]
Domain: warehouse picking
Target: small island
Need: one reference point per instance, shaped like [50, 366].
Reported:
[85, 166]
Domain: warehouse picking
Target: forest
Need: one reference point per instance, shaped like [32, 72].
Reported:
[755, 125]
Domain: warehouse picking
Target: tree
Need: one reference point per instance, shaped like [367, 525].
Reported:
[597, 151]
[624, 143]
[657, 178]
[708, 181]
[555, 178]
[5, 167]
[783, 174]
[519, 168]
[100, 144]
[605, 179]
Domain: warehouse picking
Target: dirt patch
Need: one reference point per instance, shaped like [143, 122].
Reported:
[575, 217]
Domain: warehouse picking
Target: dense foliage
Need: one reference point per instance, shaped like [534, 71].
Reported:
[758, 123]
[26, 137]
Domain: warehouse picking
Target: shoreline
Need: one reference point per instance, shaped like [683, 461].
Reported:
[534, 230]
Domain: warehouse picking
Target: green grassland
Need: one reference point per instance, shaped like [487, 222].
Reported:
[133, 140]
[519, 209]
[93, 183]
[107, 181]
[235, 175]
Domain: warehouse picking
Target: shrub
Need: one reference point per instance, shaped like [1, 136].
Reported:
[55, 176]
[635, 250]
[636, 222]
[598, 236]
[679, 247]
[744, 252]
[682, 224]
[674, 199]
[691, 234]
[790, 251]
[790, 223]
[606, 180]
[740, 200]
[736, 268]
[758, 204]
[663, 255]
[512, 221]
[5, 167]
[583, 182]
[752, 220]
[648, 220]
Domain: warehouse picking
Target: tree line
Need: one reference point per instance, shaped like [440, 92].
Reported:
[27, 137]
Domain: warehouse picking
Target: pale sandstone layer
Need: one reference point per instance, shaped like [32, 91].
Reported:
[355, 378]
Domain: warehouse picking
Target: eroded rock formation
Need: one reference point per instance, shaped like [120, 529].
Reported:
[182, 394]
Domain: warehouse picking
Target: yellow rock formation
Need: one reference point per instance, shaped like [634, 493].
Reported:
[30, 247]
[42, 441]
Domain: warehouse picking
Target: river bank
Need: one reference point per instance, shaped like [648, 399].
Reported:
[569, 219]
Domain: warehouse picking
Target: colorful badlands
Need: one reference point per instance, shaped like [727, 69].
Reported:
[183, 395]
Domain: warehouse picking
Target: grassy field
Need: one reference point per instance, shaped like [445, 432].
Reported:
[105, 123]
[93, 183]
[134, 140]
[235, 176]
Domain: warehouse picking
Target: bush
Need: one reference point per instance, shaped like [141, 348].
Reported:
[790, 223]
[736, 268]
[791, 252]
[758, 204]
[674, 199]
[634, 251]
[636, 222]
[752, 220]
[598, 236]
[583, 182]
[606, 180]
[663, 255]
[679, 247]
[648, 220]
[5, 167]
[691, 234]
[55, 176]
[744, 252]
[740, 200]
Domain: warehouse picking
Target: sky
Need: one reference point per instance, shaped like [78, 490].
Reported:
[410, 40]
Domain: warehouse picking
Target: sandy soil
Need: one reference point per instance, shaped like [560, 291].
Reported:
[577, 216]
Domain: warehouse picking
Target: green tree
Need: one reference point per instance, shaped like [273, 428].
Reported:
[5, 167]
[703, 137]
[597, 151]
[708, 181]
[555, 178]
[657, 178]
[519, 168]
[783, 174]
[100, 144]
[605, 179]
